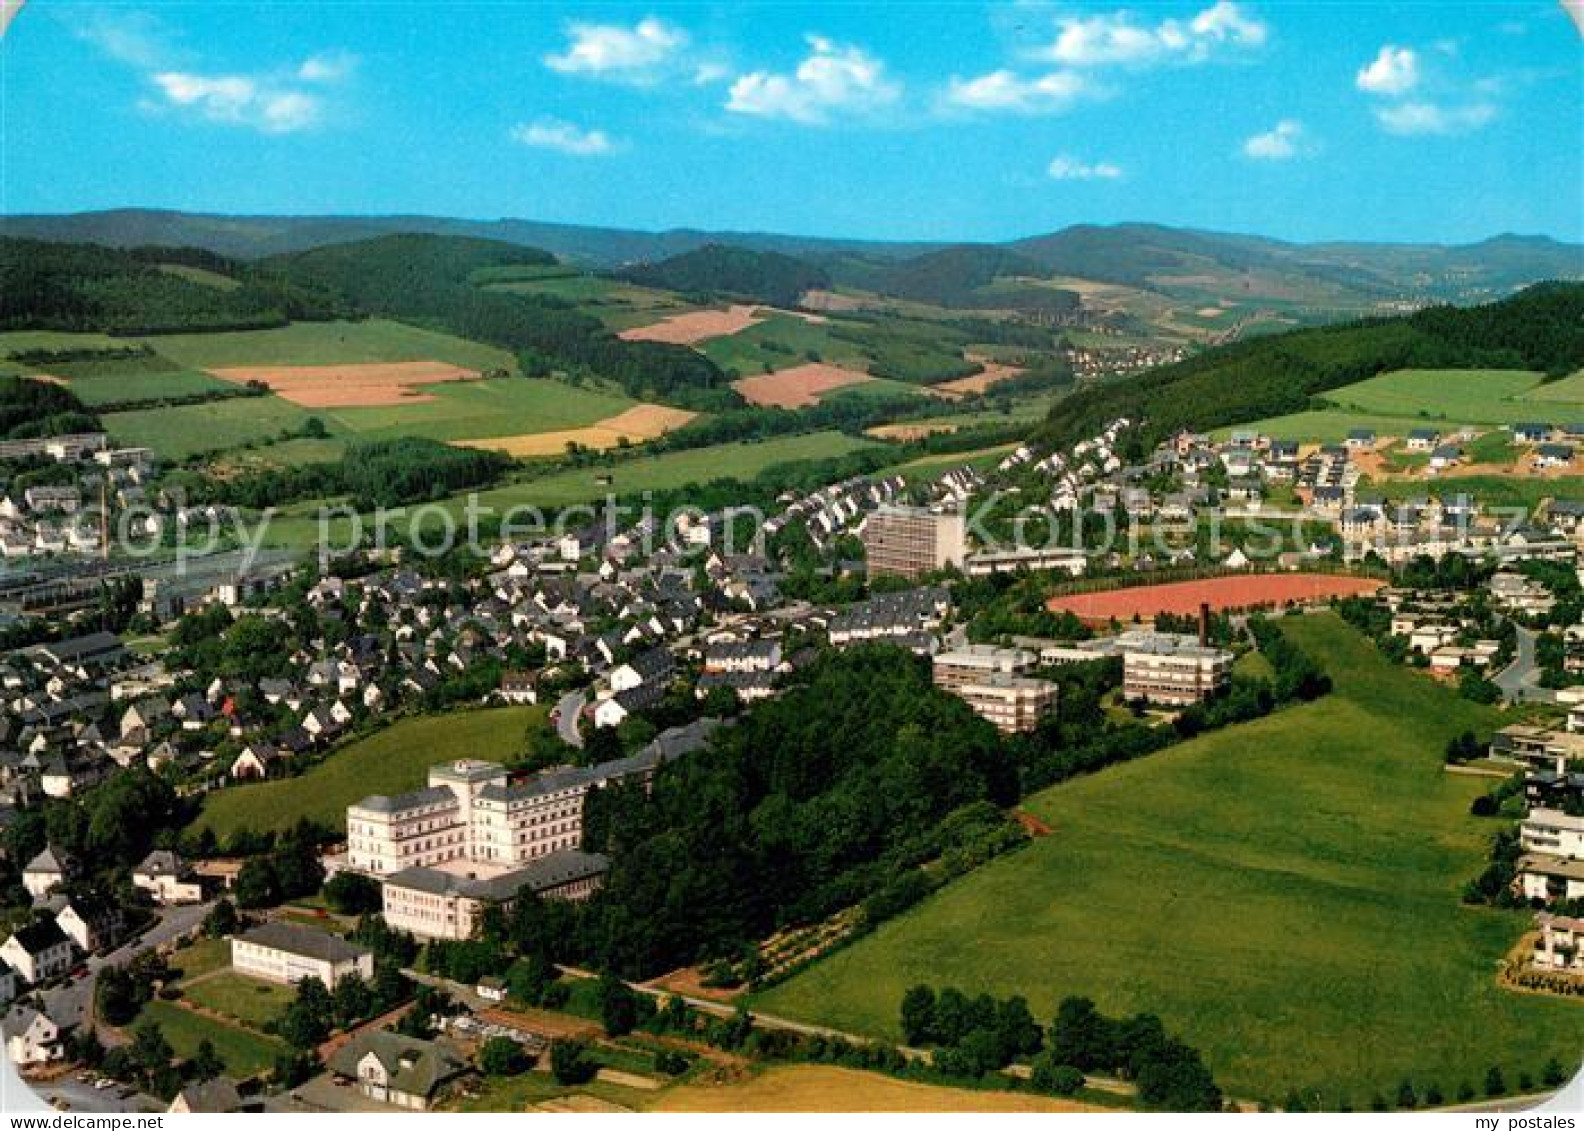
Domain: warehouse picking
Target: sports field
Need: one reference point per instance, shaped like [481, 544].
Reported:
[390, 761]
[1183, 598]
[1283, 893]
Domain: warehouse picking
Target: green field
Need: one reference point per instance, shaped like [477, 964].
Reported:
[781, 342]
[103, 389]
[297, 527]
[470, 410]
[245, 1053]
[391, 761]
[329, 343]
[253, 1002]
[1490, 490]
[1284, 894]
[187, 430]
[1394, 403]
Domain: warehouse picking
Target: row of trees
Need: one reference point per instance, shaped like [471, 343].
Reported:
[974, 1036]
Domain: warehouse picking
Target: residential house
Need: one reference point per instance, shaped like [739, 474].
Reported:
[207, 1097]
[38, 952]
[393, 1069]
[93, 924]
[168, 879]
[47, 871]
[32, 1038]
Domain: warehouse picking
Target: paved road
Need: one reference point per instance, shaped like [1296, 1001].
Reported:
[75, 1093]
[567, 712]
[1520, 680]
[71, 1002]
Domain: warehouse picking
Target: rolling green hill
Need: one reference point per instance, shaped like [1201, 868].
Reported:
[764, 276]
[1284, 894]
[55, 286]
[1540, 329]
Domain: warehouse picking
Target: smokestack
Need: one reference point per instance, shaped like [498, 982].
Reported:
[1204, 624]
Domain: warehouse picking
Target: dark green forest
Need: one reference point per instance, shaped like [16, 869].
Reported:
[764, 276]
[51, 286]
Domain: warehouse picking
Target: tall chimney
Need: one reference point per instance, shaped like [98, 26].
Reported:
[1204, 624]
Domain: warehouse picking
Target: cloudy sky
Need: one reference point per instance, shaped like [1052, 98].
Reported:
[904, 120]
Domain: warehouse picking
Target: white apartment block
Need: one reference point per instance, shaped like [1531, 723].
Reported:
[474, 811]
[1554, 833]
[287, 953]
[975, 662]
[912, 541]
[1172, 670]
[1014, 704]
[435, 904]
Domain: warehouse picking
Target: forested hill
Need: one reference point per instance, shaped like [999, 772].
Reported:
[53, 286]
[429, 280]
[1541, 328]
[973, 276]
[765, 276]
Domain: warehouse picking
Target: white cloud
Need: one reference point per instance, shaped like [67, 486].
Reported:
[240, 100]
[564, 137]
[834, 77]
[129, 37]
[1066, 168]
[1281, 142]
[1116, 39]
[1414, 118]
[611, 51]
[1394, 71]
[1008, 91]
[327, 67]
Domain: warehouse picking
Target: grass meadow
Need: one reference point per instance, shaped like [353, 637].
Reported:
[390, 761]
[1283, 894]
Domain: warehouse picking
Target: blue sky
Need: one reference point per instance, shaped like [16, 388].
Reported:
[1445, 121]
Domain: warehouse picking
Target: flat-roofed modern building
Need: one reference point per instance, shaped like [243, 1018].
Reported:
[912, 541]
[1013, 703]
[974, 662]
[1171, 670]
[287, 953]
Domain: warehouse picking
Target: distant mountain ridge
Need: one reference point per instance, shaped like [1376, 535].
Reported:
[1152, 256]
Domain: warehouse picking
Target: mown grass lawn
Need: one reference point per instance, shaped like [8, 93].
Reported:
[391, 761]
[1283, 894]
[252, 1002]
[245, 1053]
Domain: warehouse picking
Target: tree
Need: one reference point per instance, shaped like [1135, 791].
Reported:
[918, 1016]
[1082, 1037]
[151, 1052]
[118, 996]
[205, 1064]
[256, 885]
[1553, 1075]
[570, 1063]
[353, 1000]
[1055, 1078]
[308, 1019]
[352, 894]
[221, 921]
[1406, 1096]
[1495, 1083]
[502, 1056]
[618, 1006]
